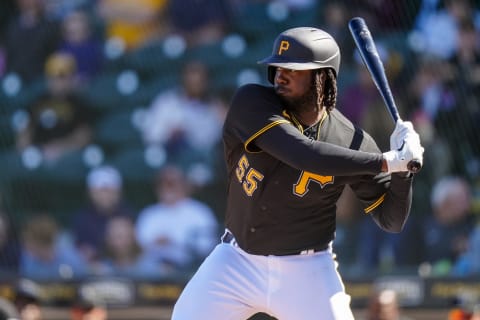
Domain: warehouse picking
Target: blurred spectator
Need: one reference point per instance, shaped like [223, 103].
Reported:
[79, 40]
[123, 256]
[333, 20]
[435, 99]
[425, 11]
[178, 229]
[428, 90]
[199, 22]
[346, 235]
[436, 147]
[186, 120]
[61, 74]
[47, 253]
[468, 263]
[441, 237]
[449, 105]
[460, 314]
[105, 200]
[9, 246]
[88, 310]
[464, 77]
[389, 16]
[434, 144]
[361, 93]
[28, 299]
[429, 98]
[383, 305]
[461, 124]
[8, 311]
[375, 249]
[59, 9]
[436, 31]
[466, 307]
[30, 39]
[59, 119]
[133, 23]
[465, 62]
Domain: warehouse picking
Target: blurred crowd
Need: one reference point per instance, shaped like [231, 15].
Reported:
[110, 129]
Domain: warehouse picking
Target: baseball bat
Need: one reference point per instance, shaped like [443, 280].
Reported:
[368, 51]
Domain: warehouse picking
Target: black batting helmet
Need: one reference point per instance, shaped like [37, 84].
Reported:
[303, 48]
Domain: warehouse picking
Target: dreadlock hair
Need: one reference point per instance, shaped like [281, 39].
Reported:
[326, 88]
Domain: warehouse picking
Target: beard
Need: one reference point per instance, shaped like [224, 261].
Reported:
[306, 102]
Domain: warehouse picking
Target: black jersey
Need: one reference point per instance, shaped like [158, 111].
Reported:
[283, 184]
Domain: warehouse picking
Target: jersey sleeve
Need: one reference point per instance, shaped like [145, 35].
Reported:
[255, 117]
[254, 109]
[385, 197]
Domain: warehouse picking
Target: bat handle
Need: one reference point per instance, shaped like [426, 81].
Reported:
[414, 166]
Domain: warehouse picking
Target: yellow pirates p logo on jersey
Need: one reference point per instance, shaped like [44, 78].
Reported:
[284, 45]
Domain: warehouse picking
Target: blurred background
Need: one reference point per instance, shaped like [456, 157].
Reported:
[112, 180]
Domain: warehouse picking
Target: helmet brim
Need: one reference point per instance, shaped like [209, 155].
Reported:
[276, 61]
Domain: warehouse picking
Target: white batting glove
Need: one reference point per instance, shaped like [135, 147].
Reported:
[397, 160]
[403, 131]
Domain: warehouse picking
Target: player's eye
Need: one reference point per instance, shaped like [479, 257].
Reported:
[290, 71]
[287, 70]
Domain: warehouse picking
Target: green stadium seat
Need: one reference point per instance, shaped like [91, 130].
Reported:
[116, 131]
[152, 60]
[132, 164]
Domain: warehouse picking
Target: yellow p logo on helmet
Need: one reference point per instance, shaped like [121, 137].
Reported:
[284, 45]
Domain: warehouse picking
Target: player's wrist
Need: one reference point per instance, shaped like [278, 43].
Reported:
[384, 167]
[390, 159]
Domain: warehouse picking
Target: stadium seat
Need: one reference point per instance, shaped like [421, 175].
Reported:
[152, 60]
[132, 164]
[253, 21]
[7, 134]
[116, 131]
[14, 95]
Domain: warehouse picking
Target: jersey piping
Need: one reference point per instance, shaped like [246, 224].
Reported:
[375, 204]
[259, 132]
[299, 125]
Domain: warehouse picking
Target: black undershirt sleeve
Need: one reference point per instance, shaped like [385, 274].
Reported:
[392, 214]
[287, 144]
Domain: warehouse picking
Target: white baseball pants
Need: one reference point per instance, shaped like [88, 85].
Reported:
[234, 285]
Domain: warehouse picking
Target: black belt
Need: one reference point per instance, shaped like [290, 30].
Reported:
[230, 239]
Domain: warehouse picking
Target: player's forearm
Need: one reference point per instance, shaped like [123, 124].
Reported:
[394, 211]
[316, 156]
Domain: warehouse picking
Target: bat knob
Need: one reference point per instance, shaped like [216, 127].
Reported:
[414, 166]
[356, 24]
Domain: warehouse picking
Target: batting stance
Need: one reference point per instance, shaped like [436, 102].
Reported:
[289, 155]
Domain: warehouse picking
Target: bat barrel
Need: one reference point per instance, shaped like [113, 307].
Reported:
[369, 53]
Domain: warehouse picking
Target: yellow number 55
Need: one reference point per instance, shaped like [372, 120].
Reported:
[248, 177]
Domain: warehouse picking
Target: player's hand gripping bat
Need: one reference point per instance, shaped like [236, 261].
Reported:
[368, 51]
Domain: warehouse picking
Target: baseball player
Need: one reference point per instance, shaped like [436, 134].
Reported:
[289, 155]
